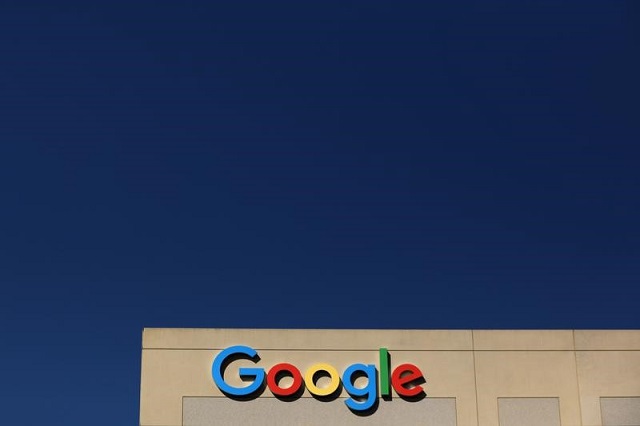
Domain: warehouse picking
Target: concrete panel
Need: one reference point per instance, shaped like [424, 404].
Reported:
[606, 374]
[520, 340]
[529, 411]
[607, 340]
[200, 338]
[620, 411]
[167, 375]
[310, 412]
[526, 374]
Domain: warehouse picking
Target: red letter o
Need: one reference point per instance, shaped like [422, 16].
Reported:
[273, 377]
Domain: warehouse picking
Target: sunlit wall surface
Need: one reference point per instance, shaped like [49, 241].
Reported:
[468, 377]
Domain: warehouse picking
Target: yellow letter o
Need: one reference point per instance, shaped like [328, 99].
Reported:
[333, 384]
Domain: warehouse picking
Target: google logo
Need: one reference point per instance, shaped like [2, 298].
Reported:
[405, 379]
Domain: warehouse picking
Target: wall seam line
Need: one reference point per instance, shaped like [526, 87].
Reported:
[575, 359]
[475, 379]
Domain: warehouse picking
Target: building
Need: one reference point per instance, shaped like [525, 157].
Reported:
[191, 377]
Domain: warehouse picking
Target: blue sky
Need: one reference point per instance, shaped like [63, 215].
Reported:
[347, 165]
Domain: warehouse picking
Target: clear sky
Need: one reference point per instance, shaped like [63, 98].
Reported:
[261, 164]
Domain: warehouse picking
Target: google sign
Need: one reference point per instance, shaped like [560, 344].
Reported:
[405, 379]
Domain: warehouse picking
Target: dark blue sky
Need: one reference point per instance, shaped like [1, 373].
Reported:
[350, 165]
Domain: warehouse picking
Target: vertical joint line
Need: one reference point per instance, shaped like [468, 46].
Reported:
[575, 359]
[475, 379]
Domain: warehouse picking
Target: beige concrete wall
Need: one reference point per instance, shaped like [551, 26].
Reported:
[477, 368]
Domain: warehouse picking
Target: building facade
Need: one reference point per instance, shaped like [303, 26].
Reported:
[205, 377]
